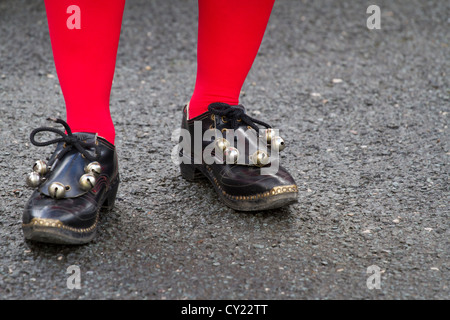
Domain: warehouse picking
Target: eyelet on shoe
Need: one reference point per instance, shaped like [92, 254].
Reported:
[239, 120]
[223, 119]
[211, 127]
[224, 130]
[213, 117]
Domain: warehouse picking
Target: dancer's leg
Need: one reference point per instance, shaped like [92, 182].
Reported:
[85, 36]
[229, 36]
[75, 183]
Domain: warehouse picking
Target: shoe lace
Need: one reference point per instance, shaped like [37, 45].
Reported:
[235, 114]
[71, 142]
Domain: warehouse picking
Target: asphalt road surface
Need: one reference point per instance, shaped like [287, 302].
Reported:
[364, 114]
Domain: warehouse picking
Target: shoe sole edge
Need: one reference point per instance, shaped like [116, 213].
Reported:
[193, 172]
[56, 235]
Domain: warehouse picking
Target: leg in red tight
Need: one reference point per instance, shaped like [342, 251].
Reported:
[229, 36]
[85, 36]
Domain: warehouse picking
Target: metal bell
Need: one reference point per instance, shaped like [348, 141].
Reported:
[87, 181]
[260, 158]
[231, 154]
[222, 144]
[278, 143]
[34, 179]
[57, 190]
[269, 134]
[40, 167]
[93, 168]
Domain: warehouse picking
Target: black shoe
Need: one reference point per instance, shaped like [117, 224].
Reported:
[79, 179]
[241, 178]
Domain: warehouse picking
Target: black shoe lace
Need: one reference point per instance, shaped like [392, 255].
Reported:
[71, 142]
[236, 115]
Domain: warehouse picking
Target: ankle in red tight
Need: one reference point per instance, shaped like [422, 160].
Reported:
[85, 36]
[229, 36]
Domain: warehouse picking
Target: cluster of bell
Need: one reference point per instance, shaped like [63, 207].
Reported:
[57, 190]
[92, 171]
[231, 153]
[260, 157]
[276, 142]
[35, 178]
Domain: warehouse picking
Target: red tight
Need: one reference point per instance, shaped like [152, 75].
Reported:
[229, 35]
[85, 59]
[85, 36]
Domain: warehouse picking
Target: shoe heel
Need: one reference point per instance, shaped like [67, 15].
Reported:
[108, 204]
[189, 172]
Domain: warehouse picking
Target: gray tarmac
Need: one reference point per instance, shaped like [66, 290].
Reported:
[365, 116]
